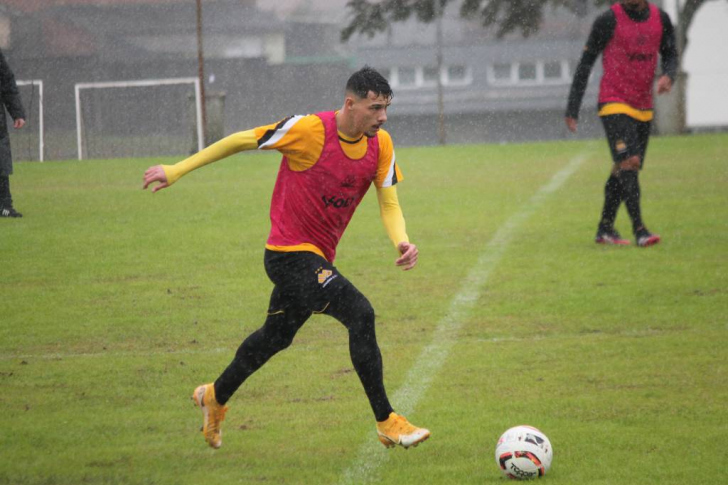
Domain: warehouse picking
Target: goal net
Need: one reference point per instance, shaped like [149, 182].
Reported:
[148, 118]
[27, 142]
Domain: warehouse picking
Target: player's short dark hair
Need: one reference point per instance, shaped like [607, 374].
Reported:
[367, 79]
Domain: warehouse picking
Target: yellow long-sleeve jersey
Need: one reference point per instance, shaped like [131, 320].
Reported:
[301, 140]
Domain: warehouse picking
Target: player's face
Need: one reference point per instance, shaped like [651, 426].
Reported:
[634, 5]
[370, 113]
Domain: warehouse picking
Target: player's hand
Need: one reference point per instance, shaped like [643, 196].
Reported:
[571, 123]
[664, 85]
[408, 258]
[155, 174]
[19, 123]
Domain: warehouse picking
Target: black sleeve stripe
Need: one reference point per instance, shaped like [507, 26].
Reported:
[269, 134]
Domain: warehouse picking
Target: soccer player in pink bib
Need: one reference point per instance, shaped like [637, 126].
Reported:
[330, 159]
[629, 36]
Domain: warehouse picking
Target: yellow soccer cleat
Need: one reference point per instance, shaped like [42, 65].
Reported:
[396, 430]
[212, 412]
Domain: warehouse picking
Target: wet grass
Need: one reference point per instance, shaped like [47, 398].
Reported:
[116, 303]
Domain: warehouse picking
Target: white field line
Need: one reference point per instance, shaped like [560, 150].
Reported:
[115, 353]
[371, 453]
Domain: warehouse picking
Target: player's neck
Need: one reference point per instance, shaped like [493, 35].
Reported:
[345, 126]
[638, 15]
[635, 8]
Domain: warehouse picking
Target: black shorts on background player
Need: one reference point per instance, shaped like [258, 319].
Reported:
[626, 137]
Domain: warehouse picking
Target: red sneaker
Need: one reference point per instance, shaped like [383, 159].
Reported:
[612, 237]
[646, 238]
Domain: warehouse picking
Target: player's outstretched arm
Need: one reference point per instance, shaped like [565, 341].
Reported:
[409, 254]
[166, 175]
[155, 174]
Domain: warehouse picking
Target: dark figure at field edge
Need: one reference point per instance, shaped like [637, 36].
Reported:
[629, 36]
[10, 99]
[330, 159]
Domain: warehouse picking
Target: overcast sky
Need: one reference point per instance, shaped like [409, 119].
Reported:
[706, 62]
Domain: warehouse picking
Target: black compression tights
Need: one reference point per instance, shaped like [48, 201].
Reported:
[612, 200]
[624, 187]
[5, 199]
[631, 196]
[352, 309]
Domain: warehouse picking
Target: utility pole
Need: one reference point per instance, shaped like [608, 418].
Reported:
[440, 95]
[201, 70]
[682, 77]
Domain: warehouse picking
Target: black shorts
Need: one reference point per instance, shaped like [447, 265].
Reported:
[626, 136]
[303, 281]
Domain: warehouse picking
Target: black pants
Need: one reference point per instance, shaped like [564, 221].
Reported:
[6, 199]
[305, 283]
[627, 137]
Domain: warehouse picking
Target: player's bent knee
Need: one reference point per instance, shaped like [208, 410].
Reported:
[278, 333]
[631, 164]
[355, 304]
[281, 342]
[361, 319]
[367, 310]
[366, 313]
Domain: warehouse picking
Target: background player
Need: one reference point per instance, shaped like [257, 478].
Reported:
[629, 36]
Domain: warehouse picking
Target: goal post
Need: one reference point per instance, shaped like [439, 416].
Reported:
[195, 82]
[35, 84]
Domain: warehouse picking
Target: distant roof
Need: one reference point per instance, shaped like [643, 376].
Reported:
[36, 5]
[315, 11]
[131, 28]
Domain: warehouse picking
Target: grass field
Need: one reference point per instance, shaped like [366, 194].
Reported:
[115, 303]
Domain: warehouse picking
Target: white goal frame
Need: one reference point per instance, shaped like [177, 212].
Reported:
[141, 83]
[39, 83]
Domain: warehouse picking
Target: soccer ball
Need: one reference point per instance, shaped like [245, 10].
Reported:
[523, 452]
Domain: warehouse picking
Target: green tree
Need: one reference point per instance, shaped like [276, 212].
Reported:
[370, 17]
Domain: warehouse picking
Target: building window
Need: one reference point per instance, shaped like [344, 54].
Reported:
[501, 73]
[527, 72]
[386, 72]
[406, 77]
[429, 75]
[458, 75]
[553, 71]
[556, 72]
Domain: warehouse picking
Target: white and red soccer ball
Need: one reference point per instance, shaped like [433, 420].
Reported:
[524, 452]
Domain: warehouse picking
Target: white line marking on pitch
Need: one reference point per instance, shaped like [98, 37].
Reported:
[114, 353]
[372, 455]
